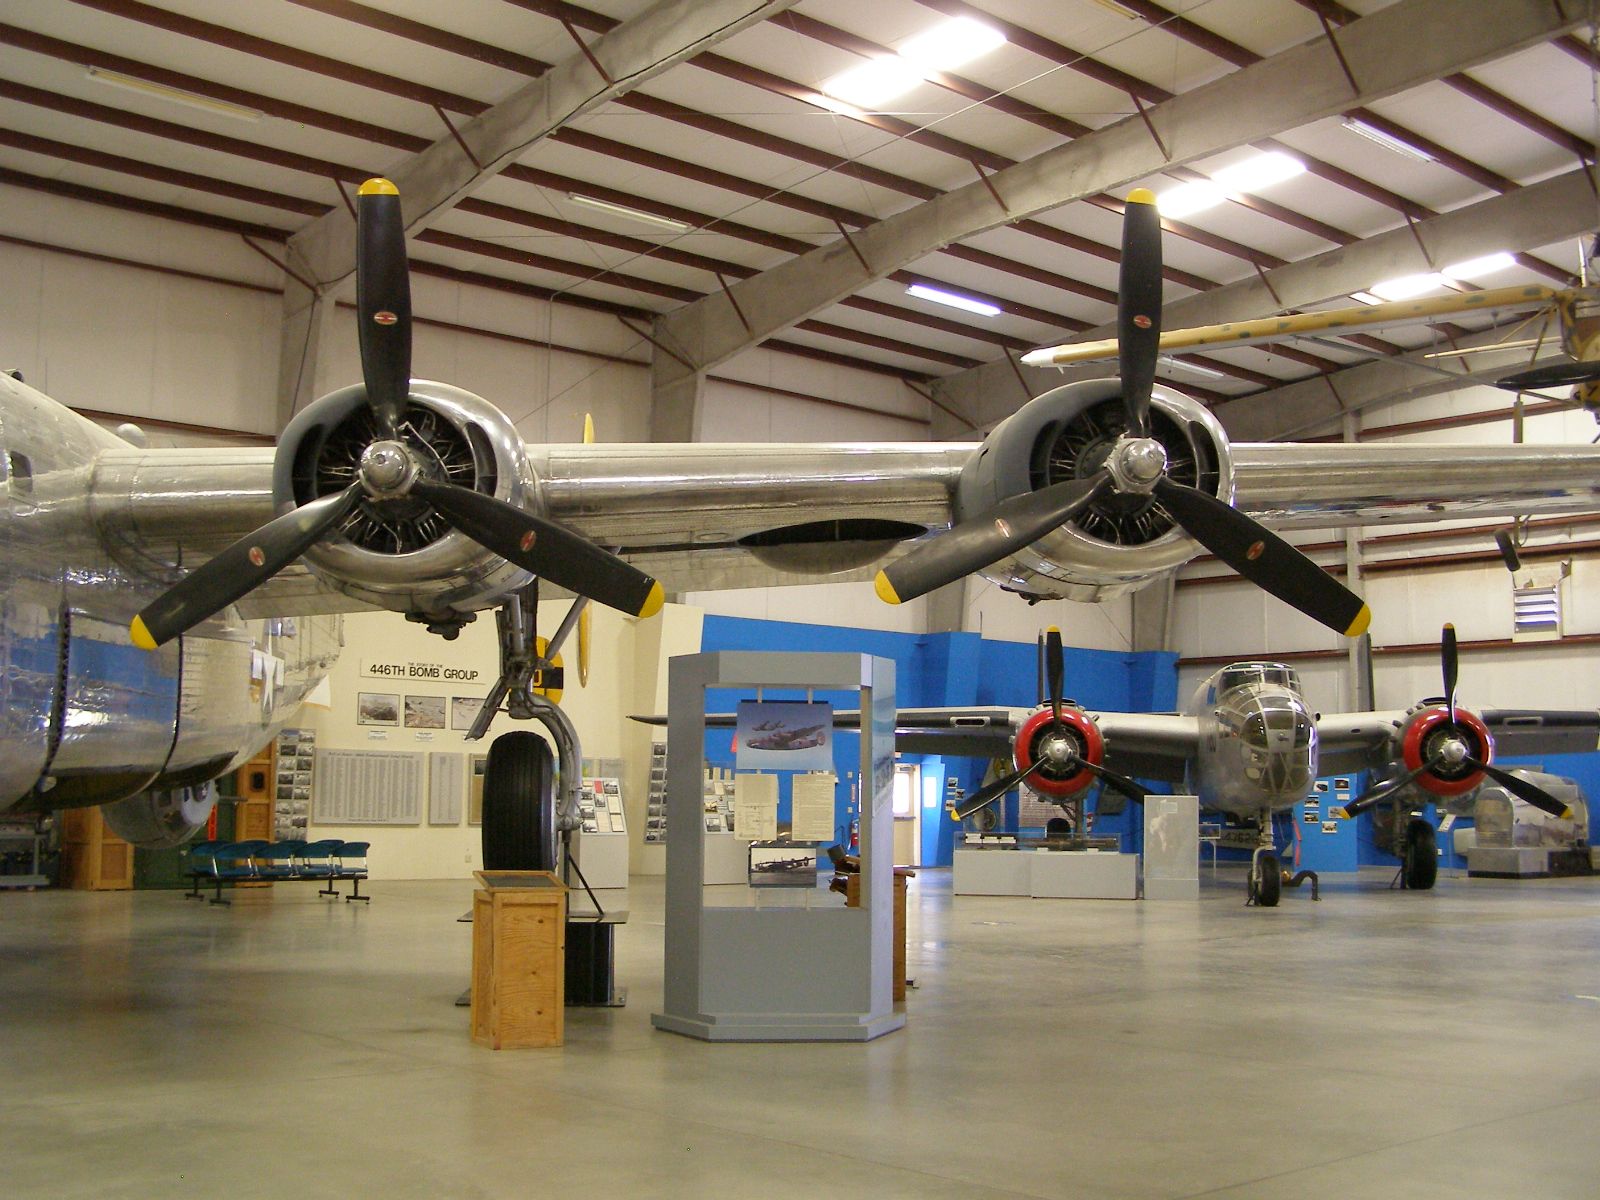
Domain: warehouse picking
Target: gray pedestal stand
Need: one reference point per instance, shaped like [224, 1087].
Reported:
[778, 974]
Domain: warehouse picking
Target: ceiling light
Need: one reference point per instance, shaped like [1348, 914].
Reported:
[1178, 364]
[622, 210]
[1365, 298]
[1408, 286]
[873, 82]
[1189, 198]
[1258, 172]
[1473, 268]
[951, 43]
[1387, 140]
[176, 95]
[939, 296]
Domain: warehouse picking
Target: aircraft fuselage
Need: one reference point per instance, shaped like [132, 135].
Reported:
[85, 716]
[1258, 741]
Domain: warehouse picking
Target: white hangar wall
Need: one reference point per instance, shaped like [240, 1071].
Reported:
[1411, 599]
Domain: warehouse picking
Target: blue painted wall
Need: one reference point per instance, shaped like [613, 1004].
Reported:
[942, 670]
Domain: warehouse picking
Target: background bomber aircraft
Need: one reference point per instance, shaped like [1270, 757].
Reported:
[140, 582]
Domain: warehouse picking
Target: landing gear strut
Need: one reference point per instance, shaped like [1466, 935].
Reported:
[1266, 873]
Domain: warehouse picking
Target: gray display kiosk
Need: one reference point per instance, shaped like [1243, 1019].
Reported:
[758, 974]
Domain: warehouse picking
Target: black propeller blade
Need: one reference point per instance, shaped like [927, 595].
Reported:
[1522, 789]
[1139, 307]
[383, 302]
[1382, 791]
[1449, 660]
[541, 546]
[1055, 671]
[391, 469]
[249, 562]
[985, 539]
[988, 795]
[1264, 558]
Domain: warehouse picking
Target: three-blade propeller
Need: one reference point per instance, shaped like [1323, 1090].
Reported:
[392, 470]
[1453, 750]
[1070, 761]
[1136, 464]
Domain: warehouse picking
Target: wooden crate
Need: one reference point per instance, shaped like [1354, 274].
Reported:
[92, 857]
[519, 938]
[852, 899]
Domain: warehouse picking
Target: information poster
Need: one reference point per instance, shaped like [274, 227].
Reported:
[811, 808]
[447, 788]
[755, 807]
[369, 787]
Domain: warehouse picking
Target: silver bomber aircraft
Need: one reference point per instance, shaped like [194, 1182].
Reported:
[163, 611]
[1249, 746]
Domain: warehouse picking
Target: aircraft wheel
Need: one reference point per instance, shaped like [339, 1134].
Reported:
[519, 804]
[1266, 879]
[1422, 855]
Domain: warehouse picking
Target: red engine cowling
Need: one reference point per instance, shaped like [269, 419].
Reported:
[1069, 777]
[1426, 729]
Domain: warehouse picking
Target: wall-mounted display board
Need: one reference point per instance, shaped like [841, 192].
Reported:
[447, 788]
[369, 787]
[291, 811]
[479, 764]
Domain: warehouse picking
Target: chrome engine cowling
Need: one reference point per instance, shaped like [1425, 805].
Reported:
[161, 820]
[398, 553]
[1120, 541]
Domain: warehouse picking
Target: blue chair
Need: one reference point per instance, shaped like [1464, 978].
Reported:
[201, 862]
[281, 860]
[234, 861]
[353, 866]
[320, 860]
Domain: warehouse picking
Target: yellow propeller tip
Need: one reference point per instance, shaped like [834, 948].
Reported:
[1055, 630]
[1359, 625]
[653, 602]
[377, 186]
[885, 589]
[1450, 625]
[588, 429]
[1339, 814]
[1141, 196]
[141, 635]
[1566, 813]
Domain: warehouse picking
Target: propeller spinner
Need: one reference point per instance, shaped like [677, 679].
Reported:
[1136, 464]
[391, 472]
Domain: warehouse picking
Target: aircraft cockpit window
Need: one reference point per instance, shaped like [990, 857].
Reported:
[1257, 673]
[1279, 721]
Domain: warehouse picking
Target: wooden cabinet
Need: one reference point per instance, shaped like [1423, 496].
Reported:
[519, 936]
[92, 857]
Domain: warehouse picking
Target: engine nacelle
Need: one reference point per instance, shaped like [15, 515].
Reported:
[399, 554]
[1062, 775]
[161, 820]
[1424, 734]
[1120, 541]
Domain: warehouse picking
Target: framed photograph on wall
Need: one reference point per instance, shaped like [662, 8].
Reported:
[424, 712]
[464, 711]
[377, 708]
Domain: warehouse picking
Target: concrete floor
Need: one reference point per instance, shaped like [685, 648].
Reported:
[1436, 1045]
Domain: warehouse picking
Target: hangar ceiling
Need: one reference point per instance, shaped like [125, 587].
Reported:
[684, 168]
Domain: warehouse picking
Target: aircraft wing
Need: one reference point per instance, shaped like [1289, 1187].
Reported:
[1149, 745]
[1365, 741]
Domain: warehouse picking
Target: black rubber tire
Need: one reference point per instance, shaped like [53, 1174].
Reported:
[1422, 855]
[1270, 885]
[519, 804]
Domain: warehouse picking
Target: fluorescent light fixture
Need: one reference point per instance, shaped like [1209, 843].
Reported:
[1188, 198]
[1258, 172]
[939, 296]
[951, 43]
[622, 210]
[1178, 364]
[1365, 298]
[189, 99]
[1407, 287]
[873, 82]
[1474, 268]
[1387, 140]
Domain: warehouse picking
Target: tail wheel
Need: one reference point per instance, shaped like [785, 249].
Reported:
[519, 804]
[1421, 855]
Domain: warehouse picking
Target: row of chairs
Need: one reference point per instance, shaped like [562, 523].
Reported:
[328, 861]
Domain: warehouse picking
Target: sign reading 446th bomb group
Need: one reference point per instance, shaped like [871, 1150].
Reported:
[401, 669]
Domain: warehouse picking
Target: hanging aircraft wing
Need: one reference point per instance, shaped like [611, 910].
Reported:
[1333, 322]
